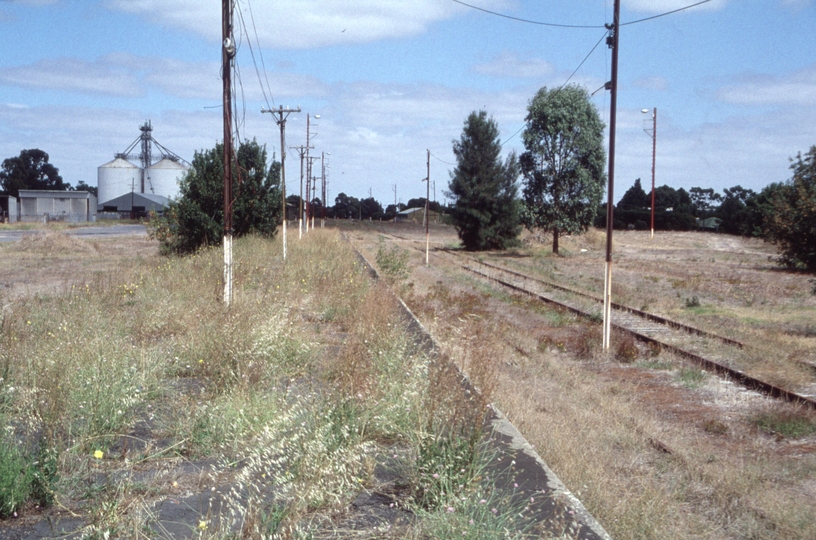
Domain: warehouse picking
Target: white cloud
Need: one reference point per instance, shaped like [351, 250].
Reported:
[663, 6]
[751, 151]
[652, 83]
[798, 88]
[128, 75]
[69, 74]
[303, 23]
[508, 64]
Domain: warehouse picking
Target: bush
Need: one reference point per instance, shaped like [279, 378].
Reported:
[393, 263]
[789, 222]
[626, 350]
[196, 220]
[16, 478]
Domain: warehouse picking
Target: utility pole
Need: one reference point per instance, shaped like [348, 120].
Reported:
[309, 190]
[280, 119]
[227, 54]
[301, 150]
[427, 217]
[613, 41]
[314, 194]
[396, 208]
[653, 135]
[309, 165]
[323, 190]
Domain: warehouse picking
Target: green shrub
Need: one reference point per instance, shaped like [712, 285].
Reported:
[787, 424]
[393, 263]
[16, 477]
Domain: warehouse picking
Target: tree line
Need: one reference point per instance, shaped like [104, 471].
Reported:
[32, 170]
[563, 180]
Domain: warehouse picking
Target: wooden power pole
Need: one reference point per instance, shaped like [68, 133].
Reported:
[280, 119]
[613, 42]
[227, 54]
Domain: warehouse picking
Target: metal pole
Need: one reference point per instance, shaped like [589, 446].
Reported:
[308, 171]
[613, 42]
[300, 212]
[654, 156]
[283, 114]
[282, 125]
[427, 217]
[227, 53]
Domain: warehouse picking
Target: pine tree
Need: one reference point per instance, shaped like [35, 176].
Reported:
[484, 190]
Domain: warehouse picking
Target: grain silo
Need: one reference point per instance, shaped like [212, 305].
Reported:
[116, 178]
[163, 178]
[121, 176]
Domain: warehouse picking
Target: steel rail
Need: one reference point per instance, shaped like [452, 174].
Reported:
[735, 375]
[645, 314]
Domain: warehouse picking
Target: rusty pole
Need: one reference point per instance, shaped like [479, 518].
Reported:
[613, 42]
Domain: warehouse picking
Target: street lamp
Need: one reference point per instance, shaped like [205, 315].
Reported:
[653, 135]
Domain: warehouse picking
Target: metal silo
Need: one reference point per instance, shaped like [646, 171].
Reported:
[117, 178]
[163, 178]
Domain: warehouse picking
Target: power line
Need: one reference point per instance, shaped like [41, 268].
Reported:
[579, 26]
[518, 19]
[584, 60]
[442, 160]
[252, 52]
[664, 14]
[260, 52]
[562, 85]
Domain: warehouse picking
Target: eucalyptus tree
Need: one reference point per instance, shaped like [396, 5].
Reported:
[563, 165]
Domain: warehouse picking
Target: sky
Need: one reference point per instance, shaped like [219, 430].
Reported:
[733, 82]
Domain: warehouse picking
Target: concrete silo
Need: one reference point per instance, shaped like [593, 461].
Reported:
[121, 177]
[117, 178]
[163, 178]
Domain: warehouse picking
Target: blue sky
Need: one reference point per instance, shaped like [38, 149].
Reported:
[734, 82]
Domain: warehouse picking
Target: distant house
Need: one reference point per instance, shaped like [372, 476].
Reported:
[53, 205]
[415, 215]
[709, 224]
[8, 209]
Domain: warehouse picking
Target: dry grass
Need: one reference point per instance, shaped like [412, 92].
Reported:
[654, 448]
[292, 397]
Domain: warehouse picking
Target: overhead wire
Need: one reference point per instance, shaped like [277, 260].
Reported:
[260, 52]
[666, 13]
[575, 26]
[528, 21]
[442, 160]
[252, 52]
[511, 137]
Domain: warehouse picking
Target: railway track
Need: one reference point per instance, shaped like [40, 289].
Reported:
[710, 351]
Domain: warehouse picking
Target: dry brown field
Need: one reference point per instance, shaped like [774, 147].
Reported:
[654, 446]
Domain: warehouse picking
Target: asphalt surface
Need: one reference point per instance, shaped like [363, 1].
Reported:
[13, 235]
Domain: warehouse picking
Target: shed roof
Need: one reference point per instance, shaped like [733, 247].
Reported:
[148, 201]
